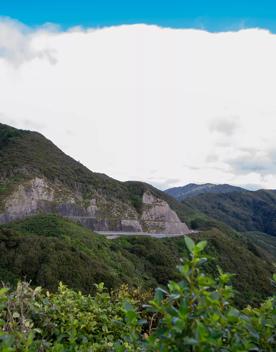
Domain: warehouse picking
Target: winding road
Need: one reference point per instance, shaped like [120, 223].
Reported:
[115, 234]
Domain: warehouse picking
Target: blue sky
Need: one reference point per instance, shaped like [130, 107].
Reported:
[212, 15]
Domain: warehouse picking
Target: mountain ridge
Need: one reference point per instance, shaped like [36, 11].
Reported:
[36, 176]
[193, 189]
[242, 211]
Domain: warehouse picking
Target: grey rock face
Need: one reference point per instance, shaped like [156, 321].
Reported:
[29, 199]
[100, 214]
[158, 217]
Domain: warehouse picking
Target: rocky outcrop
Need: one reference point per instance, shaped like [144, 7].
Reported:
[158, 217]
[29, 198]
[99, 214]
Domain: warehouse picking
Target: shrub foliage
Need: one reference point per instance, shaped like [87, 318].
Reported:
[194, 314]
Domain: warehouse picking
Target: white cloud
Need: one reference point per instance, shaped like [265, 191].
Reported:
[225, 125]
[141, 98]
[262, 162]
[16, 43]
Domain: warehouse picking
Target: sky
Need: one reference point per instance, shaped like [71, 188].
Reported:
[213, 15]
[166, 92]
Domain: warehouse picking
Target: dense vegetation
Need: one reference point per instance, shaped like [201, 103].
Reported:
[193, 189]
[26, 154]
[243, 211]
[263, 244]
[47, 249]
[195, 314]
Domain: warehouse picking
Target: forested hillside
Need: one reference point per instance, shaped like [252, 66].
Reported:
[193, 189]
[243, 211]
[47, 249]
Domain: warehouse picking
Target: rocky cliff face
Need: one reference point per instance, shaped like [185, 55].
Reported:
[158, 217]
[98, 213]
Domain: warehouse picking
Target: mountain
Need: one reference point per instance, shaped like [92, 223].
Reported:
[36, 176]
[243, 211]
[51, 206]
[193, 189]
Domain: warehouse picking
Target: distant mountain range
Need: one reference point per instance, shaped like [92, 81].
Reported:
[243, 211]
[193, 189]
[239, 208]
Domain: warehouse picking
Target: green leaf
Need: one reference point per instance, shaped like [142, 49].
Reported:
[127, 306]
[201, 245]
[189, 244]
[190, 341]
[3, 291]
[233, 312]
[159, 294]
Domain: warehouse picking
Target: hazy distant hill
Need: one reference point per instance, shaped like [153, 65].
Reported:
[243, 211]
[192, 189]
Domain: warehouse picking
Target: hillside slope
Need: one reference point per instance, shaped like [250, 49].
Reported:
[47, 249]
[243, 211]
[36, 176]
[193, 189]
[38, 182]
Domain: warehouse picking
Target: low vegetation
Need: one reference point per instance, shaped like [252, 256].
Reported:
[195, 313]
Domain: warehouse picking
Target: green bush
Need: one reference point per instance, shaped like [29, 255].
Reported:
[66, 320]
[195, 314]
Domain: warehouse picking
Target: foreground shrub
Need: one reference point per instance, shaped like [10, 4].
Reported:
[65, 321]
[195, 314]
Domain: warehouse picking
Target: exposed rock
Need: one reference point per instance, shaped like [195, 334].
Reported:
[131, 226]
[32, 197]
[99, 214]
[92, 208]
[158, 217]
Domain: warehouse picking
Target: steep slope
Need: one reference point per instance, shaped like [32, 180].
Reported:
[261, 244]
[47, 249]
[243, 211]
[36, 176]
[192, 189]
